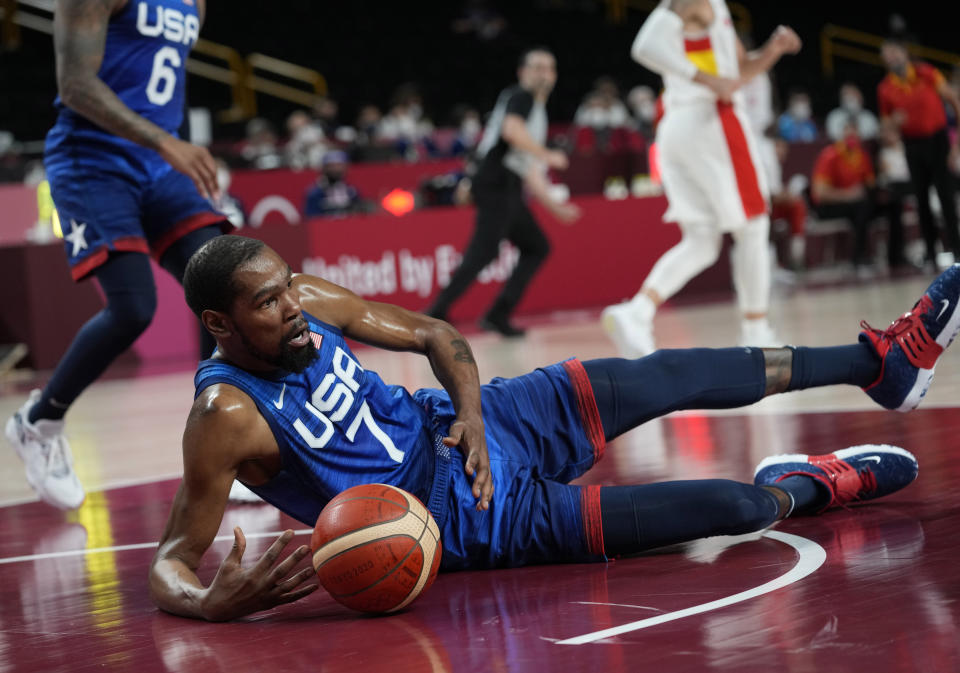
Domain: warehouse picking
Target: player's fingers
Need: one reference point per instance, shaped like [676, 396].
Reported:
[470, 465]
[273, 552]
[199, 184]
[297, 595]
[239, 546]
[294, 581]
[456, 434]
[285, 566]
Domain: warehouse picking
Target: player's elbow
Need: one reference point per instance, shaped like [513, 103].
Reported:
[72, 89]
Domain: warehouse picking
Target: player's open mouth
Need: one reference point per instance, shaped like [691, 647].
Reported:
[300, 339]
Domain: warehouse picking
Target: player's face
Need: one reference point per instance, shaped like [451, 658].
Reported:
[539, 73]
[267, 317]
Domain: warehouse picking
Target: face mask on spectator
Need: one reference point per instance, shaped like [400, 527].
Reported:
[647, 110]
[800, 110]
[851, 104]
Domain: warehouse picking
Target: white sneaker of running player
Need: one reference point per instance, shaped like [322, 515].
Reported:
[758, 333]
[240, 493]
[630, 332]
[46, 453]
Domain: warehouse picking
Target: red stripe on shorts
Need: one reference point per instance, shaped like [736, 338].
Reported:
[746, 173]
[82, 269]
[184, 227]
[592, 519]
[587, 406]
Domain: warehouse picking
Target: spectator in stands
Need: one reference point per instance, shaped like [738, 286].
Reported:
[331, 194]
[404, 125]
[911, 96]
[602, 108]
[306, 143]
[326, 115]
[260, 149]
[893, 177]
[796, 125]
[842, 182]
[851, 107]
[469, 130]
[643, 104]
[368, 121]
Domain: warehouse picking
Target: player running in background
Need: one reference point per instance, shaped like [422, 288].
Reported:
[286, 407]
[709, 165]
[125, 187]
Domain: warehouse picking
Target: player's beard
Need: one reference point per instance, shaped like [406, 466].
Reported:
[288, 358]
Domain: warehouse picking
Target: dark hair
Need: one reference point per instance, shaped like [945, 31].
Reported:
[208, 280]
[525, 54]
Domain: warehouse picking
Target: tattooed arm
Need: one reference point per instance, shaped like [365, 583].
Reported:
[394, 328]
[80, 38]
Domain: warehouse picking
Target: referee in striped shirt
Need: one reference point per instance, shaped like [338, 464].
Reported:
[512, 157]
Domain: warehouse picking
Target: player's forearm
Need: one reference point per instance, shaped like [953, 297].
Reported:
[94, 100]
[174, 588]
[518, 137]
[454, 366]
[758, 61]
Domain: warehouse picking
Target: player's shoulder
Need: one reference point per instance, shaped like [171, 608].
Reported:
[516, 93]
[224, 408]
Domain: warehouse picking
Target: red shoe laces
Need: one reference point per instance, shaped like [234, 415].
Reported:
[848, 484]
[910, 333]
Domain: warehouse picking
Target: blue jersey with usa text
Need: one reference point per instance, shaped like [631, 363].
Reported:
[144, 64]
[336, 424]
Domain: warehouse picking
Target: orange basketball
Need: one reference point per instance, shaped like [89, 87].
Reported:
[375, 548]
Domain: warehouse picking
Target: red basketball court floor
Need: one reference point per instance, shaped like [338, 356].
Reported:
[872, 588]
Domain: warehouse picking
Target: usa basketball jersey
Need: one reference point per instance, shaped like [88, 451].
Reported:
[144, 63]
[337, 425]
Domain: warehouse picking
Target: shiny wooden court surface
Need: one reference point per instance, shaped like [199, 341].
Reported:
[873, 588]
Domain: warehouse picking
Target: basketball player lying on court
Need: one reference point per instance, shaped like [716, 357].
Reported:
[285, 407]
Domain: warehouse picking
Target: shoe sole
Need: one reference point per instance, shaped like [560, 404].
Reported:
[842, 454]
[925, 376]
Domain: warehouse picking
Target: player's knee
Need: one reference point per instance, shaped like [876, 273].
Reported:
[133, 313]
[742, 508]
[703, 248]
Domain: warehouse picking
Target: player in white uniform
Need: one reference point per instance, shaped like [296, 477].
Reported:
[709, 164]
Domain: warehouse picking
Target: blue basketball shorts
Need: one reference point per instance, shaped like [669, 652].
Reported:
[542, 430]
[126, 204]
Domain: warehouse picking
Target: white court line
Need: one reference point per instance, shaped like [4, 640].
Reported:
[812, 557]
[129, 547]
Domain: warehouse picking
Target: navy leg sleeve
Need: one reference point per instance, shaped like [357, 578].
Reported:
[631, 392]
[127, 282]
[637, 518]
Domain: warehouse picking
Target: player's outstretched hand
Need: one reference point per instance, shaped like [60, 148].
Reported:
[786, 40]
[238, 591]
[470, 437]
[567, 212]
[193, 161]
[557, 159]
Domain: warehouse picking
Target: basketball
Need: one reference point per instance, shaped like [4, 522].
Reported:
[376, 548]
